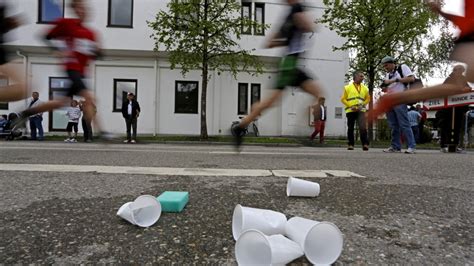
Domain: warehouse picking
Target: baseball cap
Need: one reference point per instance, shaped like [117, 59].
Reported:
[388, 59]
[131, 93]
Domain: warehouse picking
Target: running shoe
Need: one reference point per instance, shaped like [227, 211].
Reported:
[391, 150]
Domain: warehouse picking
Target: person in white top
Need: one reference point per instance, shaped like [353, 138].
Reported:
[397, 116]
[74, 114]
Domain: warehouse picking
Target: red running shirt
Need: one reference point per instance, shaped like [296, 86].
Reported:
[79, 43]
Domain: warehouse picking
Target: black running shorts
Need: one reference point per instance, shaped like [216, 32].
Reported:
[77, 85]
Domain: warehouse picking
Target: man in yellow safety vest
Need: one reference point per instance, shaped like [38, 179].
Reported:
[355, 99]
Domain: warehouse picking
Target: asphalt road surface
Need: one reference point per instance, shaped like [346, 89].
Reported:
[59, 201]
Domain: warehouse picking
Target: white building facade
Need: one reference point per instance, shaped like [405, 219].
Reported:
[170, 101]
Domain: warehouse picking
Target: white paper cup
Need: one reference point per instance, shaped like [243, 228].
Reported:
[267, 221]
[321, 241]
[144, 211]
[255, 248]
[301, 188]
[126, 213]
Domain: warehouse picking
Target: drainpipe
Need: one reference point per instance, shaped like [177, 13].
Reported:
[25, 66]
[155, 100]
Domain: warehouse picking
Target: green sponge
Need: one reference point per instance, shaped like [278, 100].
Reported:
[173, 201]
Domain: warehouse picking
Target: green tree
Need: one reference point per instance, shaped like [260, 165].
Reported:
[204, 35]
[404, 29]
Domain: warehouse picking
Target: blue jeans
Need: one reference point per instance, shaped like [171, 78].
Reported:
[416, 133]
[35, 123]
[398, 121]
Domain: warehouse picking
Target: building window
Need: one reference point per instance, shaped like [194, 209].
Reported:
[255, 12]
[58, 88]
[3, 83]
[242, 104]
[186, 97]
[121, 88]
[246, 14]
[260, 19]
[50, 10]
[120, 13]
[244, 97]
[255, 94]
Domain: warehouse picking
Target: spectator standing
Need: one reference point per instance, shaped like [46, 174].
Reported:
[355, 99]
[397, 117]
[451, 129]
[414, 117]
[421, 125]
[131, 111]
[73, 113]
[87, 125]
[36, 120]
[319, 113]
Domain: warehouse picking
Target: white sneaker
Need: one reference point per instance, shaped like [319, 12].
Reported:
[67, 140]
[445, 150]
[125, 141]
[73, 140]
[410, 151]
[133, 141]
[391, 149]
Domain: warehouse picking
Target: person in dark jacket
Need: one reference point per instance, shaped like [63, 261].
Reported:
[131, 111]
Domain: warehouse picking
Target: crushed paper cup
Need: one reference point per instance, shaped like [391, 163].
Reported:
[144, 211]
[255, 248]
[267, 221]
[126, 213]
[321, 241]
[301, 188]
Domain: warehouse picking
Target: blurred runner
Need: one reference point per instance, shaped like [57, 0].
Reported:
[291, 35]
[76, 45]
[18, 90]
[463, 52]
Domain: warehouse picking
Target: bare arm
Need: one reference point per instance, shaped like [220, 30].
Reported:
[273, 41]
[304, 22]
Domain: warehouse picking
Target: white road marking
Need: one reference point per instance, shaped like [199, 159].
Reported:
[169, 171]
[214, 151]
[299, 173]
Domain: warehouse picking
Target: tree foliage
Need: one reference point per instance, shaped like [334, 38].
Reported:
[404, 29]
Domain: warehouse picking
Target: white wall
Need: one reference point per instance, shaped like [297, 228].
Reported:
[169, 121]
[104, 90]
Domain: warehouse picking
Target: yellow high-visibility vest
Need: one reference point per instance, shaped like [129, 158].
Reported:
[356, 98]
